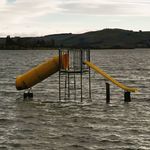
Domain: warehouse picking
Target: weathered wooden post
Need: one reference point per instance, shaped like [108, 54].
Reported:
[107, 93]
[127, 96]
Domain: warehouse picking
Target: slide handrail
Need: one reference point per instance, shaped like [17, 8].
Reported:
[105, 75]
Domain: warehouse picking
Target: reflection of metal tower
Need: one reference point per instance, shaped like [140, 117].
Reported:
[71, 82]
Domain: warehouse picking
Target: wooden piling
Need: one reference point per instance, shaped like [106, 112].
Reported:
[107, 93]
[127, 96]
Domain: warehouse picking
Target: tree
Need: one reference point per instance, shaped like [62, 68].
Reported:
[52, 43]
[9, 41]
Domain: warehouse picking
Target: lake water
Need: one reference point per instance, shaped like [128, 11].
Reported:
[45, 124]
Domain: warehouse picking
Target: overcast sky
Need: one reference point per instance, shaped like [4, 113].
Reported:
[42, 17]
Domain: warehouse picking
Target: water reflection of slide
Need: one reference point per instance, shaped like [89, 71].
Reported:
[105, 75]
[41, 72]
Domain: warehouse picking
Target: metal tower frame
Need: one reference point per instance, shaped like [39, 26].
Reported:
[71, 79]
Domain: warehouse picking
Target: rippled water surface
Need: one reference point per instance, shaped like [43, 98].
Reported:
[45, 124]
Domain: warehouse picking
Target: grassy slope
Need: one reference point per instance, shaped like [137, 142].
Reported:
[107, 38]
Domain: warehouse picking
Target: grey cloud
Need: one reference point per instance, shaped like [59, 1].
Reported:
[16, 16]
[106, 8]
[100, 9]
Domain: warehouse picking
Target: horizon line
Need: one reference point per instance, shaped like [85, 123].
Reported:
[32, 36]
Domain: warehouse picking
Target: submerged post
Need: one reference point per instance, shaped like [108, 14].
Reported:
[107, 93]
[59, 75]
[81, 71]
[89, 70]
[127, 96]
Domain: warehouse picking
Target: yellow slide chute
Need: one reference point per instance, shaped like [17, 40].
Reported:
[105, 75]
[41, 72]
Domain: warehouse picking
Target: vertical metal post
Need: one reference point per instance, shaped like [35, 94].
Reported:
[107, 93]
[74, 86]
[65, 85]
[127, 96]
[59, 75]
[74, 75]
[81, 73]
[68, 77]
[90, 97]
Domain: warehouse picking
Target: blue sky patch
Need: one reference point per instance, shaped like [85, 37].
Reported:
[11, 1]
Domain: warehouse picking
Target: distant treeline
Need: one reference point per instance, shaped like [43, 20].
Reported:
[103, 39]
[25, 43]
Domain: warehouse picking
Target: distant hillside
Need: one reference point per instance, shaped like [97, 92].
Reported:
[107, 38]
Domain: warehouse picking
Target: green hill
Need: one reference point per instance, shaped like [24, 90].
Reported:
[107, 38]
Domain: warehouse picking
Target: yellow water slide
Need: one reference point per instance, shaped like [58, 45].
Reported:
[41, 72]
[105, 75]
